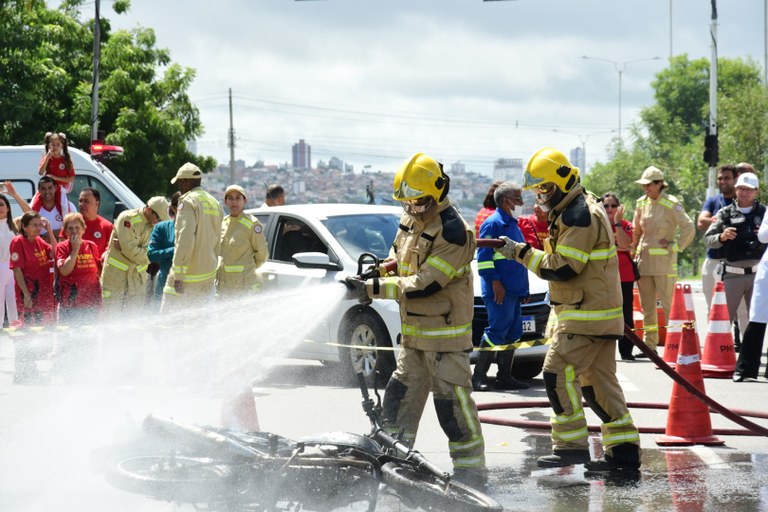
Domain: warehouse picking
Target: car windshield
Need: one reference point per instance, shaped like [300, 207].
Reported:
[364, 233]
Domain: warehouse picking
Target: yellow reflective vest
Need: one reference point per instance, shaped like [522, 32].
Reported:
[433, 283]
[656, 220]
[243, 250]
[132, 231]
[198, 238]
[582, 268]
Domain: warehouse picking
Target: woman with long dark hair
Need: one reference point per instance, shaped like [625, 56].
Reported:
[31, 259]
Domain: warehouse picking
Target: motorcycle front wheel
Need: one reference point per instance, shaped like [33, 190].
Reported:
[170, 477]
[431, 493]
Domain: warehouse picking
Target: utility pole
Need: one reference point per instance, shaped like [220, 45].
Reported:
[95, 85]
[231, 143]
[710, 140]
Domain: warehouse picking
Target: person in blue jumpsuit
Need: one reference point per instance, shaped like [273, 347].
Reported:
[160, 249]
[504, 283]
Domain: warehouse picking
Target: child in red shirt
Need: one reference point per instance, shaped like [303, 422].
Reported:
[57, 164]
[31, 260]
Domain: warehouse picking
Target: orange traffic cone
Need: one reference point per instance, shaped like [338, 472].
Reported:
[688, 419]
[677, 315]
[719, 359]
[688, 294]
[662, 322]
[239, 412]
[637, 312]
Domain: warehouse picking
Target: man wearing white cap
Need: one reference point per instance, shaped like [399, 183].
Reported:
[123, 276]
[243, 247]
[197, 244]
[658, 217]
[734, 233]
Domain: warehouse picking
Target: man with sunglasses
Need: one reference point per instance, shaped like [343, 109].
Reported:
[580, 263]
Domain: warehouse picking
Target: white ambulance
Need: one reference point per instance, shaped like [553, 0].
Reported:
[19, 164]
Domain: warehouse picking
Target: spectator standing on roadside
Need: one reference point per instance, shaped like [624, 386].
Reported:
[57, 165]
[489, 206]
[582, 269]
[658, 217]
[535, 227]
[197, 242]
[734, 235]
[31, 259]
[243, 247]
[97, 229]
[504, 286]
[78, 262]
[48, 207]
[275, 196]
[8, 230]
[160, 249]
[622, 232]
[748, 364]
[123, 276]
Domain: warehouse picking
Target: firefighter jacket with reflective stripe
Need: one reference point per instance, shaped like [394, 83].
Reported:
[198, 237]
[745, 246]
[433, 283]
[493, 266]
[243, 246]
[656, 220]
[132, 231]
[582, 268]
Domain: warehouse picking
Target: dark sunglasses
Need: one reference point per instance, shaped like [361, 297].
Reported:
[610, 205]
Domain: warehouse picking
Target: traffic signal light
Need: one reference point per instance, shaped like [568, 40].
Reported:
[710, 150]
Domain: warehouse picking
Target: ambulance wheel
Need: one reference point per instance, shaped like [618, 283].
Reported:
[365, 329]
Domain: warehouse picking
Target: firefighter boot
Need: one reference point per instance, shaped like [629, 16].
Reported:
[625, 460]
[479, 376]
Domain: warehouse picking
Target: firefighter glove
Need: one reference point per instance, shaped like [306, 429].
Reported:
[356, 290]
[512, 250]
[153, 268]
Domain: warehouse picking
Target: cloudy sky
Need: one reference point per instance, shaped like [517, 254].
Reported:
[372, 81]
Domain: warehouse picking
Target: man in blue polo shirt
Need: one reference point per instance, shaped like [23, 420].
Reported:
[504, 283]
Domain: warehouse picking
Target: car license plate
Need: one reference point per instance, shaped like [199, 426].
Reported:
[529, 324]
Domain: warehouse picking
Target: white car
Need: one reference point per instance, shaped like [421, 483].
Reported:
[320, 243]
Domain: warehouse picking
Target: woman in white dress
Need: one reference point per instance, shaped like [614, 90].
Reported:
[8, 230]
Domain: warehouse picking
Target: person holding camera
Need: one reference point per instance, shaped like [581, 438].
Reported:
[734, 233]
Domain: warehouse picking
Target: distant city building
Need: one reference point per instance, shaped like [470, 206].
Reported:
[578, 158]
[508, 169]
[302, 155]
[458, 168]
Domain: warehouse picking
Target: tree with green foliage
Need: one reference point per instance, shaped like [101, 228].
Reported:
[670, 135]
[46, 83]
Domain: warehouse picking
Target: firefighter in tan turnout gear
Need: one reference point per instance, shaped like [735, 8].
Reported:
[581, 265]
[197, 244]
[433, 285]
[658, 217]
[243, 247]
[124, 276]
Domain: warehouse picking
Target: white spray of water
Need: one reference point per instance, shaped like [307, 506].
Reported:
[179, 365]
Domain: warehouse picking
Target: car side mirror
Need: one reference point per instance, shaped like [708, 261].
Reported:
[119, 208]
[315, 260]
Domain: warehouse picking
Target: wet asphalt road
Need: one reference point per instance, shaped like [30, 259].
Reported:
[48, 431]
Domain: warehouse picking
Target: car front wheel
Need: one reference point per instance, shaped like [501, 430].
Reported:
[367, 347]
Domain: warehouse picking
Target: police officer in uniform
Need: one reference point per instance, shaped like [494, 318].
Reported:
[197, 242]
[433, 247]
[658, 217]
[123, 275]
[243, 247]
[734, 233]
[581, 265]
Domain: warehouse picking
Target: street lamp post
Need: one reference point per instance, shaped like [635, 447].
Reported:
[620, 67]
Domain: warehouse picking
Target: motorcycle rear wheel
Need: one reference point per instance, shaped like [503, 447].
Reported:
[431, 493]
[170, 477]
